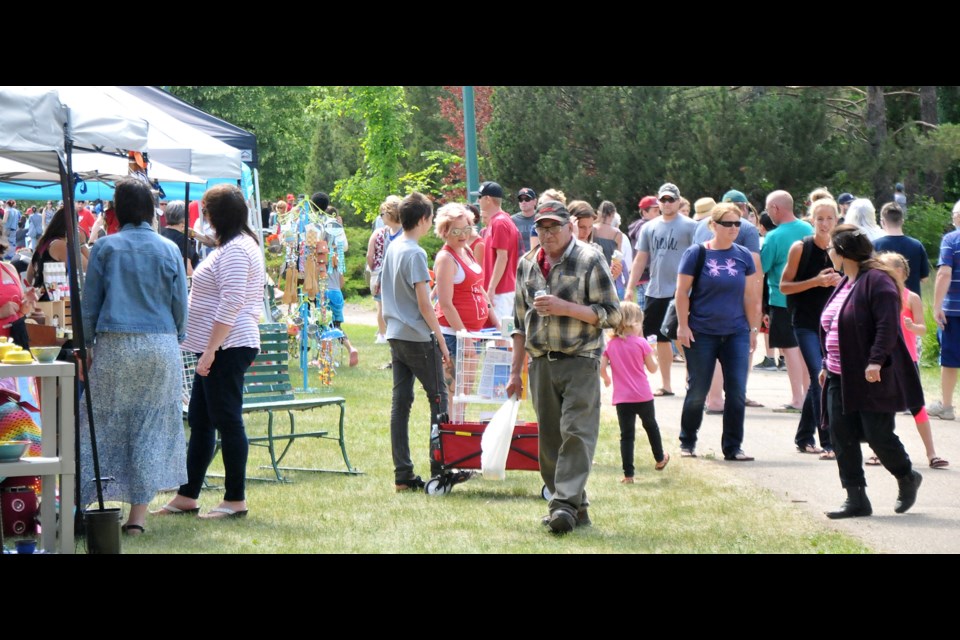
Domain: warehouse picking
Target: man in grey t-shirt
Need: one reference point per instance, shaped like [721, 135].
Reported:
[661, 245]
[523, 219]
[412, 330]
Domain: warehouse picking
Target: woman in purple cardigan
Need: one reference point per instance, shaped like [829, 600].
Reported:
[867, 374]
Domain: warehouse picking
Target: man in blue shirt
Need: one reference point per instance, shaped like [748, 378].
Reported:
[946, 311]
[773, 258]
[891, 219]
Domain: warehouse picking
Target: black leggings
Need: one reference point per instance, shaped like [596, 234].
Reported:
[627, 413]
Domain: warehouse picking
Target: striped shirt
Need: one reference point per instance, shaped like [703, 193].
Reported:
[580, 276]
[831, 314]
[227, 288]
[950, 257]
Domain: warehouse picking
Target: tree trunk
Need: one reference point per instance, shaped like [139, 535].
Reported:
[877, 136]
[933, 180]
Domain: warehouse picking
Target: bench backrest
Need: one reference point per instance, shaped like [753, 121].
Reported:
[268, 378]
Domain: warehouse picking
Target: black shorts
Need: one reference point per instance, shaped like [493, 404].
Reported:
[781, 329]
[653, 312]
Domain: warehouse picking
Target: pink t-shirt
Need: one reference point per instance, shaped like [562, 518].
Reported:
[501, 234]
[828, 320]
[626, 356]
[908, 336]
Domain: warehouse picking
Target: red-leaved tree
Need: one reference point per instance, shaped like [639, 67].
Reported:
[451, 108]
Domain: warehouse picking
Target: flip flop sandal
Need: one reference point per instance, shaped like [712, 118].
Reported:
[938, 463]
[828, 455]
[752, 403]
[224, 513]
[167, 510]
[873, 461]
[663, 392]
[132, 529]
[809, 449]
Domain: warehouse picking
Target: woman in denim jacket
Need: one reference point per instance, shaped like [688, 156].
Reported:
[135, 305]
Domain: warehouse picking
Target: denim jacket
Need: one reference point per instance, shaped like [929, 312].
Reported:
[136, 283]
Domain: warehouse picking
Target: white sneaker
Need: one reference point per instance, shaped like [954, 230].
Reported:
[381, 339]
[937, 410]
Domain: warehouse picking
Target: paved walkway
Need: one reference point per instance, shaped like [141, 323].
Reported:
[931, 526]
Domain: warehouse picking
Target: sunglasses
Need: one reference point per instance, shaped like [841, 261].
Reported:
[549, 231]
[729, 223]
[462, 231]
[524, 199]
[667, 200]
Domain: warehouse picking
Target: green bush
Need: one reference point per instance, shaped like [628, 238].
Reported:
[928, 221]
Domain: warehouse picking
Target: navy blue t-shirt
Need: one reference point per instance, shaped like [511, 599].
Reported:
[913, 251]
[716, 307]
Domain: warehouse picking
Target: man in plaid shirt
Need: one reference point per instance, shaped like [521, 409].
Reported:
[564, 298]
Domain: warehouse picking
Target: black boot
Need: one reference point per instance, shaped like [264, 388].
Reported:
[908, 491]
[855, 506]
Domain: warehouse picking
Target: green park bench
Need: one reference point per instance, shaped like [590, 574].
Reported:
[267, 389]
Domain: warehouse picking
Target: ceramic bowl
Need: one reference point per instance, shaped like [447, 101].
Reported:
[11, 450]
[45, 354]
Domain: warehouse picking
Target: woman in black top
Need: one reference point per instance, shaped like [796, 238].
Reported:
[808, 280]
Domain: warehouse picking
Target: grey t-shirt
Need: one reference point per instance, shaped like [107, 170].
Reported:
[665, 242]
[524, 226]
[404, 265]
[748, 237]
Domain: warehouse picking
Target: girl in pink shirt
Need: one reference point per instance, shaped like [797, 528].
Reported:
[627, 353]
[910, 313]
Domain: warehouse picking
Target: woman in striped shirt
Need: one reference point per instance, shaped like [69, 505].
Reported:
[868, 375]
[224, 310]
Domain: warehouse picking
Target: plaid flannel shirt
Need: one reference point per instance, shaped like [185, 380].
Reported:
[581, 276]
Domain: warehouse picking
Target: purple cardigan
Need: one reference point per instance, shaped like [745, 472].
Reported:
[869, 332]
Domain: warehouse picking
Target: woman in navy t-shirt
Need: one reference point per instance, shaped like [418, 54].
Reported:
[718, 319]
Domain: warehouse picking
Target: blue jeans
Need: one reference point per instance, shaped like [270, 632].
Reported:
[733, 352]
[216, 404]
[811, 418]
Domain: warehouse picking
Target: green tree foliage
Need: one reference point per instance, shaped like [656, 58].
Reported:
[386, 118]
[278, 117]
[620, 143]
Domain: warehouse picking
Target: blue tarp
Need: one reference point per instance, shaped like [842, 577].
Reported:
[104, 191]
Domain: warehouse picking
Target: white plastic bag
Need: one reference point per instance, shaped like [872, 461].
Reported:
[495, 443]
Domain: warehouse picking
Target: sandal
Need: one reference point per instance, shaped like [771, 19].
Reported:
[132, 529]
[752, 403]
[938, 463]
[169, 510]
[873, 461]
[663, 463]
[663, 392]
[809, 448]
[828, 455]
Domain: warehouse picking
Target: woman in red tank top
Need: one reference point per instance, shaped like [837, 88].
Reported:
[462, 301]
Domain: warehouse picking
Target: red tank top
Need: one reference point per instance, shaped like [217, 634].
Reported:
[468, 298]
[11, 292]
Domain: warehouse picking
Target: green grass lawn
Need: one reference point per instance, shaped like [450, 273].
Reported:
[684, 509]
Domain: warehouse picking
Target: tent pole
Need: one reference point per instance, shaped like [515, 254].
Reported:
[74, 266]
[186, 224]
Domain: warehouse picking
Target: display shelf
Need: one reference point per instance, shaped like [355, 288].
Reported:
[57, 447]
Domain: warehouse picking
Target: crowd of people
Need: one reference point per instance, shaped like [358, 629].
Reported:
[694, 284]
[724, 274]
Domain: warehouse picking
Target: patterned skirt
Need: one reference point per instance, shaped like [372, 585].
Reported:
[135, 391]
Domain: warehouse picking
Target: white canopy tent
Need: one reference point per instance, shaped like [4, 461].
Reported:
[37, 122]
[92, 167]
